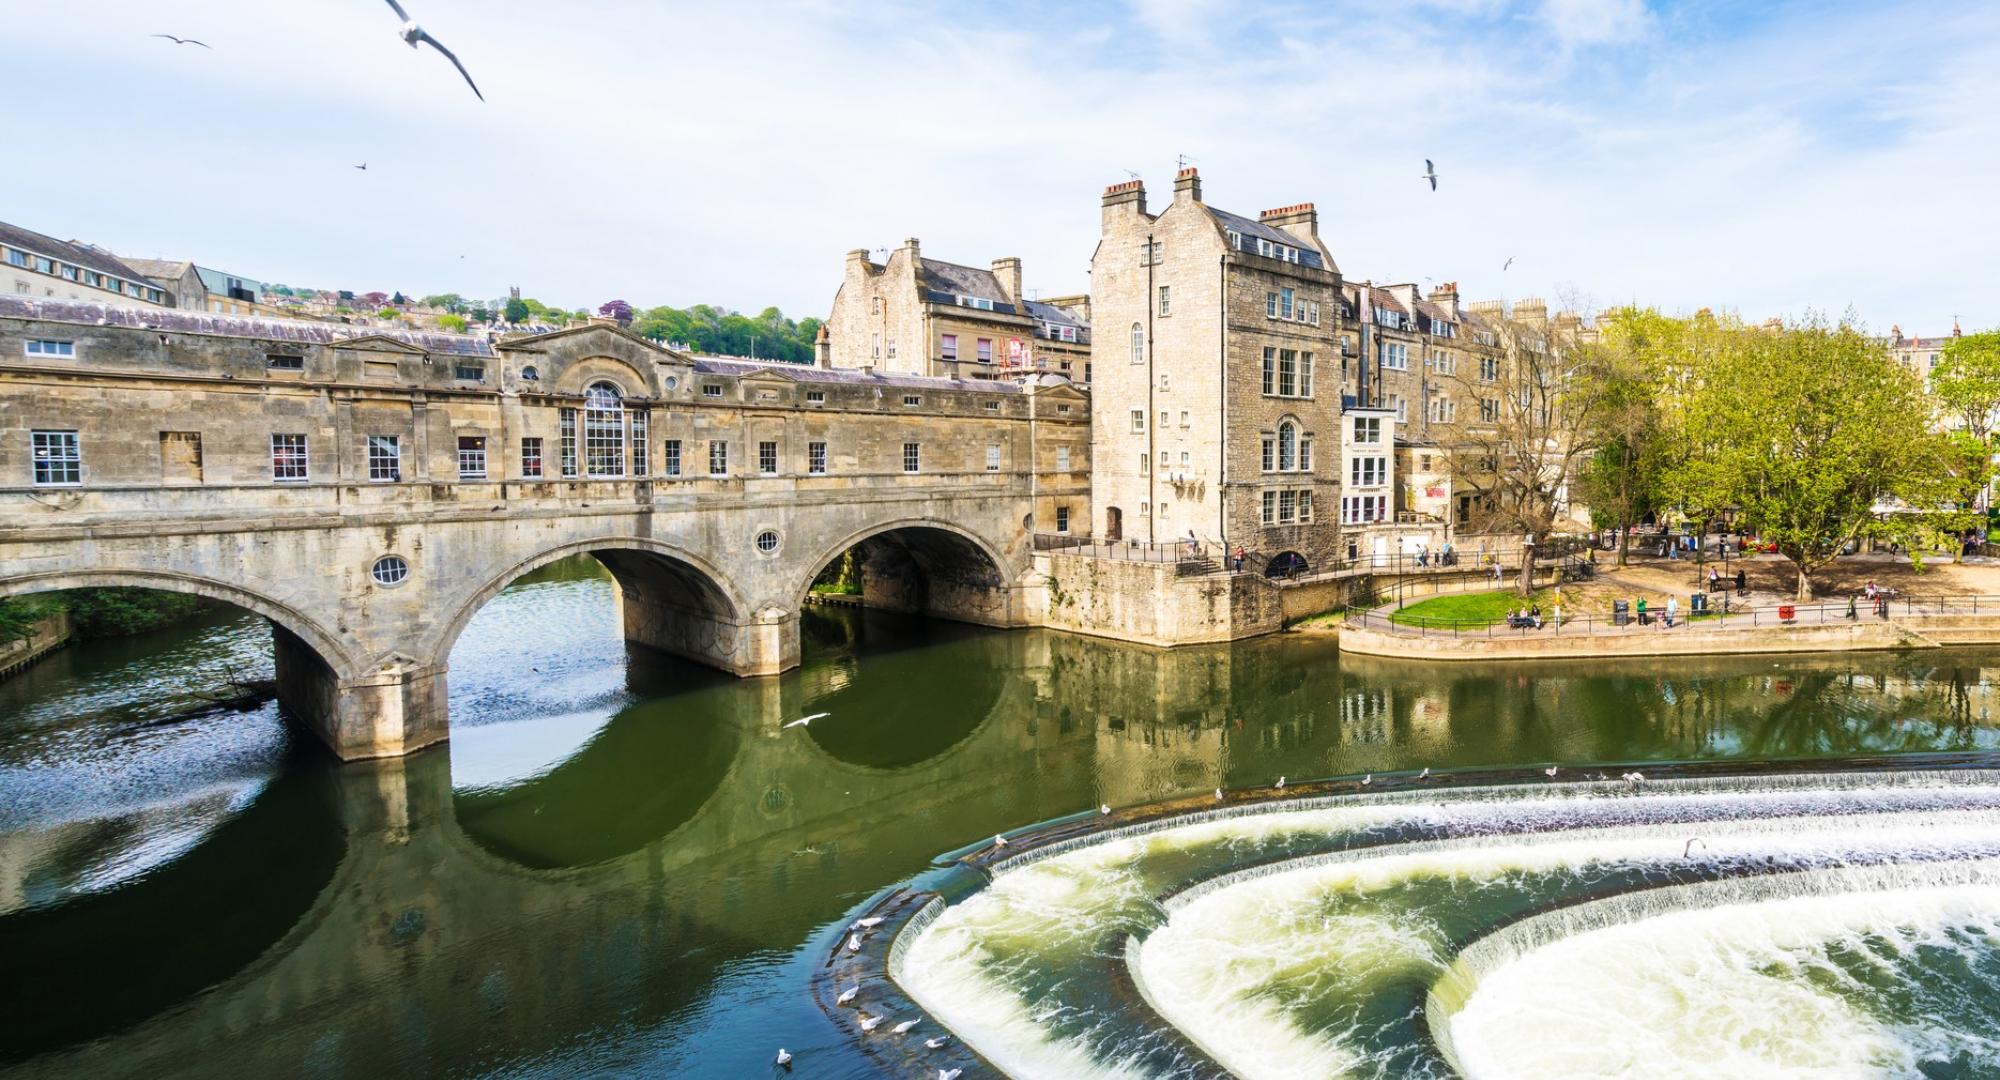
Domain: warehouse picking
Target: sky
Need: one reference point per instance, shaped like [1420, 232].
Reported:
[1781, 159]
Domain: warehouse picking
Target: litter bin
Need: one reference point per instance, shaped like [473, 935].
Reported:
[1697, 603]
[1621, 612]
[1786, 613]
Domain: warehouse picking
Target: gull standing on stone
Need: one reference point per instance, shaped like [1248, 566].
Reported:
[1430, 173]
[854, 943]
[1549, 772]
[999, 841]
[847, 995]
[1105, 810]
[1367, 780]
[411, 33]
[1281, 783]
[905, 1026]
[932, 1044]
[1218, 794]
[1426, 774]
[869, 923]
[870, 1023]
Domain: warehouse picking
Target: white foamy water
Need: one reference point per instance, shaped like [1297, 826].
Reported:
[1765, 989]
[1242, 958]
[1262, 973]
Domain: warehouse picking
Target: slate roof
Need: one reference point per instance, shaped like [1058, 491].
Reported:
[808, 373]
[945, 282]
[164, 271]
[1434, 312]
[83, 255]
[1308, 254]
[1050, 313]
[178, 321]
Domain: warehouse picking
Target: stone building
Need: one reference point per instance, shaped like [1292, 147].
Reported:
[1920, 354]
[1211, 396]
[921, 316]
[43, 267]
[199, 288]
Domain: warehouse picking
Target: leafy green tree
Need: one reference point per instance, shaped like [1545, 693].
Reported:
[453, 323]
[1821, 438]
[451, 302]
[479, 314]
[517, 311]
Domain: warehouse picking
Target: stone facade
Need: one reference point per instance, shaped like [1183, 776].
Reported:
[1214, 413]
[368, 491]
[920, 316]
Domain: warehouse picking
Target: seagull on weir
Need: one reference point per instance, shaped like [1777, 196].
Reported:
[847, 995]
[950, 1074]
[870, 1023]
[184, 41]
[784, 1058]
[869, 923]
[999, 841]
[411, 33]
[1105, 810]
[1367, 780]
[1426, 774]
[1692, 841]
[1430, 173]
[1549, 772]
[804, 720]
[1281, 783]
[1218, 794]
[1633, 778]
[905, 1026]
[933, 1044]
[854, 943]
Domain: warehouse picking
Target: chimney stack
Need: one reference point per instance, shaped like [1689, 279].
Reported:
[823, 348]
[1118, 198]
[1187, 185]
[1008, 270]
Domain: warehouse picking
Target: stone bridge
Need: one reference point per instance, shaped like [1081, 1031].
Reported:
[368, 491]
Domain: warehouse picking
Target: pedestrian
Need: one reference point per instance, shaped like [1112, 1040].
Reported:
[1496, 573]
[1239, 557]
[1850, 608]
[1672, 606]
[1742, 583]
[1714, 579]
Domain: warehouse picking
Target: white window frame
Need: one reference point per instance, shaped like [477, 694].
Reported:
[290, 463]
[55, 347]
[472, 459]
[57, 454]
[385, 459]
[815, 459]
[913, 457]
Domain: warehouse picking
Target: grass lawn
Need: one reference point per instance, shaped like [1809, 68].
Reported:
[1471, 609]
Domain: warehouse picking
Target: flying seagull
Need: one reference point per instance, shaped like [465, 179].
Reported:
[1508, 263]
[784, 1058]
[1430, 170]
[184, 41]
[804, 720]
[847, 995]
[412, 33]
[363, 166]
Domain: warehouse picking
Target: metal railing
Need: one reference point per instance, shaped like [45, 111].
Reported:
[1194, 558]
[1720, 615]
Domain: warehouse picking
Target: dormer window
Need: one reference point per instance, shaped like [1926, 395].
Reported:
[978, 302]
[711, 390]
[815, 397]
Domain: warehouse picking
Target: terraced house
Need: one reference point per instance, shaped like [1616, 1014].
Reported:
[916, 315]
[44, 267]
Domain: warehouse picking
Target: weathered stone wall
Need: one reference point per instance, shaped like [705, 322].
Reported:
[1146, 602]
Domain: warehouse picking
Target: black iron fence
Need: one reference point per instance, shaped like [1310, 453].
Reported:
[1196, 557]
[1716, 612]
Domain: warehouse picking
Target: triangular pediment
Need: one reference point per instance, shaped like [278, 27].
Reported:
[378, 343]
[576, 336]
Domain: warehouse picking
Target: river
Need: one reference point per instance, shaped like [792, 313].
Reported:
[624, 864]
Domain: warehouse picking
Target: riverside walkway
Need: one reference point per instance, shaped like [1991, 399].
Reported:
[1900, 622]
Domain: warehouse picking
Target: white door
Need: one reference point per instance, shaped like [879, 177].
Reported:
[1381, 551]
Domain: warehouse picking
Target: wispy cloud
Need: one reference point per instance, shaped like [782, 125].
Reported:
[1687, 154]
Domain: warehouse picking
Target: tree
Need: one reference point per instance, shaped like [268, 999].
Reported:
[1821, 438]
[453, 323]
[479, 314]
[1548, 420]
[1620, 483]
[1967, 381]
[516, 311]
[617, 309]
[449, 302]
[388, 313]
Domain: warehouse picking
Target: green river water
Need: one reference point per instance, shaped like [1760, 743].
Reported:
[623, 864]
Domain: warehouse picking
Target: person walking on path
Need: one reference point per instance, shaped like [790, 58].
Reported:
[1239, 557]
[1672, 606]
[1496, 573]
[1714, 579]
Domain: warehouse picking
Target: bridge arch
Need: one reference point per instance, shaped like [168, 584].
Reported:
[927, 566]
[672, 599]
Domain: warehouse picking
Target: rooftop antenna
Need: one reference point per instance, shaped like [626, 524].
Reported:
[1130, 173]
[1182, 161]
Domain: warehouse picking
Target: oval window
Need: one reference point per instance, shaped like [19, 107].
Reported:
[390, 570]
[767, 541]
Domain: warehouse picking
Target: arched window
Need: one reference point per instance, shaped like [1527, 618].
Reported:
[1288, 446]
[1138, 344]
[603, 431]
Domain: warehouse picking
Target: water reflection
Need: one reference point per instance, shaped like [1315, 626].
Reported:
[615, 863]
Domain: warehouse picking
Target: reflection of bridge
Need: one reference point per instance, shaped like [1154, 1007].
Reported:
[444, 929]
[367, 493]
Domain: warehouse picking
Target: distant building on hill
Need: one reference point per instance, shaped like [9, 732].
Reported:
[47, 268]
